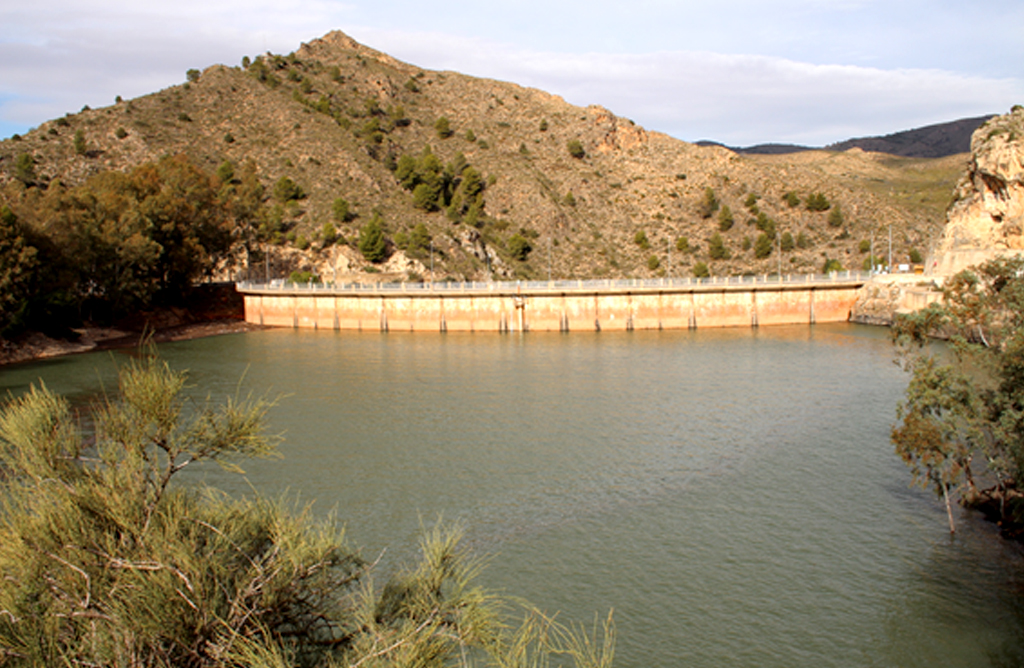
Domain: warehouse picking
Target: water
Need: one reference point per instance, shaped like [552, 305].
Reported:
[732, 494]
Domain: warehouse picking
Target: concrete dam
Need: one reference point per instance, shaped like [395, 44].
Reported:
[559, 306]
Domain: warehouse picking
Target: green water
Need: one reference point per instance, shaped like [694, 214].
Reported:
[731, 494]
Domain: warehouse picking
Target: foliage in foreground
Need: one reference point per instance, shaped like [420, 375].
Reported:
[106, 561]
[967, 407]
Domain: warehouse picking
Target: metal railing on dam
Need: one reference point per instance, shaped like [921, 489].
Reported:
[590, 286]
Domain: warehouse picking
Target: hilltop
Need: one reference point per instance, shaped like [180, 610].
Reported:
[552, 187]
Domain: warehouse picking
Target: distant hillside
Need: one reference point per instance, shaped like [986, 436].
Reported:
[551, 187]
[931, 141]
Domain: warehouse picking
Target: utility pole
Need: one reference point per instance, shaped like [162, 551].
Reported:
[778, 246]
[431, 261]
[549, 259]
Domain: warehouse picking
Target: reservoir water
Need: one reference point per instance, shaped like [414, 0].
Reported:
[731, 494]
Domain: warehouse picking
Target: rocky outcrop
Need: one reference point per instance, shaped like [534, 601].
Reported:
[986, 218]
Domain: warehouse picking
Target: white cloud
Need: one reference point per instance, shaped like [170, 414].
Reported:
[87, 53]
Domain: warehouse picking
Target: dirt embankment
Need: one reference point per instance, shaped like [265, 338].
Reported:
[214, 309]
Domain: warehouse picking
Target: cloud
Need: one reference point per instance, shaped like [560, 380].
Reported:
[84, 54]
[736, 99]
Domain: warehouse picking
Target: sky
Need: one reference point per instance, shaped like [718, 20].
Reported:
[741, 72]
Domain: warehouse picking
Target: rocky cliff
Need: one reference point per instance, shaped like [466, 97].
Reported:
[986, 218]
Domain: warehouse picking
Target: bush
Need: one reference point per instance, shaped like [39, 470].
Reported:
[683, 245]
[835, 217]
[787, 243]
[25, 168]
[725, 219]
[443, 128]
[700, 270]
[802, 242]
[192, 76]
[653, 263]
[519, 247]
[286, 190]
[640, 239]
[340, 210]
[328, 234]
[544, 125]
[717, 249]
[303, 277]
[763, 246]
[864, 246]
[470, 135]
[817, 202]
[120, 133]
[569, 199]
[79, 143]
[915, 256]
[747, 243]
[831, 265]
[751, 202]
[792, 199]
[108, 561]
[576, 149]
[372, 243]
[708, 203]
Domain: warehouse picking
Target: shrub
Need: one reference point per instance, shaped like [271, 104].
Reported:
[817, 202]
[747, 243]
[835, 217]
[544, 125]
[303, 277]
[700, 270]
[915, 256]
[470, 135]
[372, 243]
[576, 149]
[787, 243]
[864, 246]
[569, 199]
[246, 62]
[120, 133]
[328, 234]
[717, 249]
[192, 76]
[286, 190]
[25, 168]
[725, 219]
[340, 210]
[519, 247]
[708, 203]
[653, 263]
[751, 202]
[763, 246]
[443, 128]
[640, 239]
[683, 245]
[831, 265]
[184, 118]
[226, 172]
[792, 199]
[802, 242]
[79, 143]
[229, 138]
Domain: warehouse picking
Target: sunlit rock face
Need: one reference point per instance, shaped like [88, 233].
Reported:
[986, 218]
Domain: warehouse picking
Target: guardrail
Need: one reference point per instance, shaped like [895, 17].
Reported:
[540, 287]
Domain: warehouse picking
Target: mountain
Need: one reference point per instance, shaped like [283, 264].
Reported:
[553, 189]
[932, 141]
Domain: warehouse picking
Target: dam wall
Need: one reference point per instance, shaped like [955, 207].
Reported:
[555, 306]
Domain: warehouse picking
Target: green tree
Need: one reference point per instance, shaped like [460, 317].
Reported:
[519, 247]
[817, 202]
[328, 234]
[81, 148]
[108, 560]
[683, 244]
[831, 265]
[286, 190]
[372, 243]
[725, 219]
[762, 246]
[18, 264]
[653, 263]
[835, 216]
[443, 128]
[915, 256]
[700, 270]
[576, 149]
[792, 199]
[717, 249]
[192, 75]
[751, 203]
[25, 168]
[787, 243]
[965, 406]
[708, 203]
[802, 242]
[340, 210]
[640, 239]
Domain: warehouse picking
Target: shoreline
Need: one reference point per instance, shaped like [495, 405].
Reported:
[35, 346]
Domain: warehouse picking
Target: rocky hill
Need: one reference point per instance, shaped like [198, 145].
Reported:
[931, 141]
[986, 218]
[551, 188]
